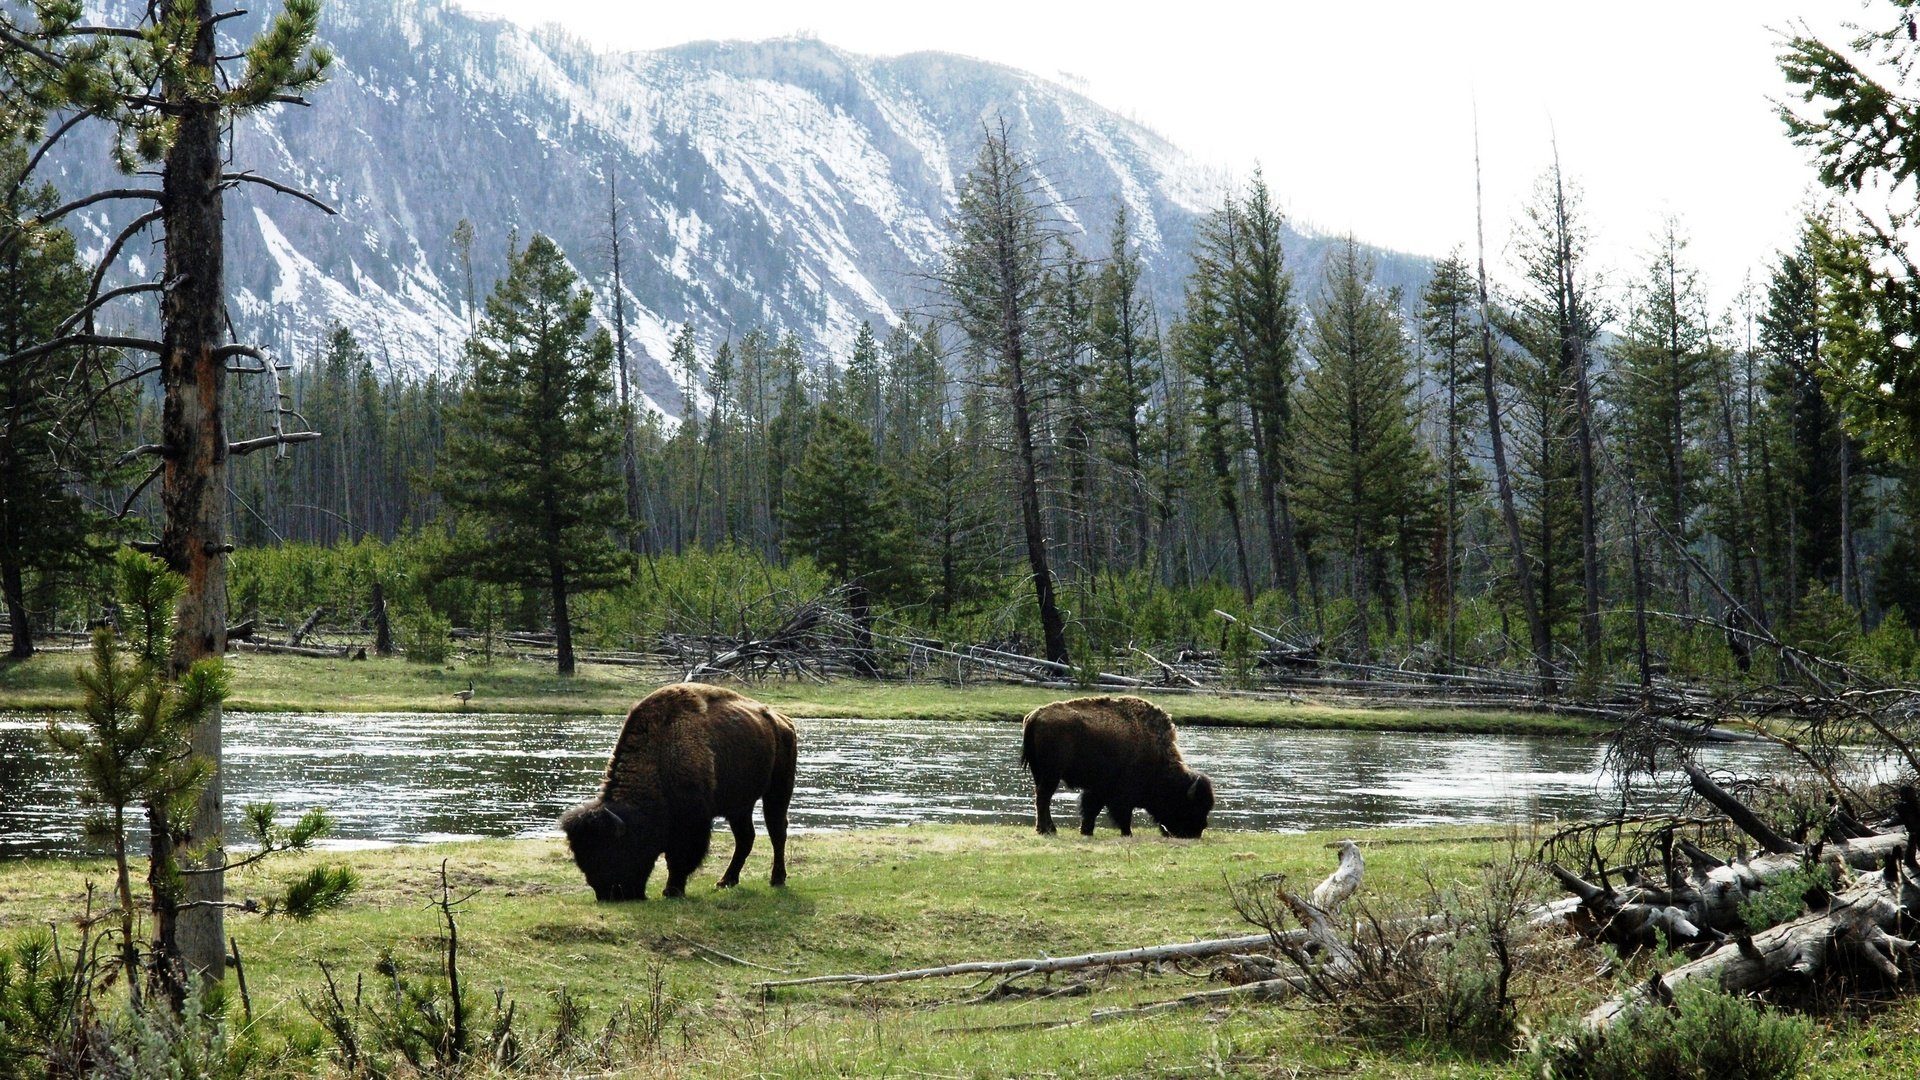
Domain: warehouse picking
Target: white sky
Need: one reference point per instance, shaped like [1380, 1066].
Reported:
[1361, 114]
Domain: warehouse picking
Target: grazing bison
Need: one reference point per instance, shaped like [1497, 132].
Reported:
[689, 753]
[1120, 753]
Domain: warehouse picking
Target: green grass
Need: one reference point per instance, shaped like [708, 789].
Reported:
[858, 901]
[882, 900]
[302, 684]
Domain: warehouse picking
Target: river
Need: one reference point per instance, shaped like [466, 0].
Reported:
[398, 778]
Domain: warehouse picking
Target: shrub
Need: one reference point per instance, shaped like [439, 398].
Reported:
[1705, 1035]
[1784, 898]
[424, 636]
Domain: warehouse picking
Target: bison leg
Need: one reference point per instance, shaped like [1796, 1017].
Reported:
[684, 856]
[742, 825]
[1090, 804]
[1123, 817]
[775, 812]
[1043, 789]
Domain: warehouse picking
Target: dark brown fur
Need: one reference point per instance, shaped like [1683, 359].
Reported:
[1122, 755]
[689, 753]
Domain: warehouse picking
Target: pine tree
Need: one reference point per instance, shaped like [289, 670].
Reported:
[862, 392]
[1200, 345]
[1662, 380]
[842, 510]
[165, 85]
[1806, 446]
[1864, 131]
[1449, 328]
[1261, 312]
[1127, 363]
[995, 279]
[1359, 464]
[534, 454]
[49, 407]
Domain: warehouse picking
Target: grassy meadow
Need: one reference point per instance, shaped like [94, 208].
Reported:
[263, 683]
[873, 901]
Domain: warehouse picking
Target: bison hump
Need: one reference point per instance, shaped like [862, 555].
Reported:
[664, 733]
[1121, 714]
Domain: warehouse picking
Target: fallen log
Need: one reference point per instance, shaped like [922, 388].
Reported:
[1265, 990]
[306, 627]
[1860, 926]
[1703, 903]
[1190, 950]
[1170, 671]
[1335, 890]
[335, 653]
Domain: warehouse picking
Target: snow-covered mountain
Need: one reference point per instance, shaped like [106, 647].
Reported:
[785, 183]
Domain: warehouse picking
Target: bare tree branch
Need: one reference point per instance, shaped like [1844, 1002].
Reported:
[58, 212]
[112, 341]
[254, 178]
[248, 446]
[106, 297]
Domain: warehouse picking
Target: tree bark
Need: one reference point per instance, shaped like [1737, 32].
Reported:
[562, 620]
[382, 628]
[16, 598]
[194, 442]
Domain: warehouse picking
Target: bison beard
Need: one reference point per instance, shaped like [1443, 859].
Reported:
[1120, 752]
[689, 753]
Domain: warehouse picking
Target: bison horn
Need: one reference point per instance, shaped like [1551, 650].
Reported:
[619, 823]
[1194, 788]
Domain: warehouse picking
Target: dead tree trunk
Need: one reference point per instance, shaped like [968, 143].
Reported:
[193, 437]
[1503, 482]
[382, 627]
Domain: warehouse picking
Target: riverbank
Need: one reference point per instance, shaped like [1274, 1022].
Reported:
[265, 683]
[870, 901]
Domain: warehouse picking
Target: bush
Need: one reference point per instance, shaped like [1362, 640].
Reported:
[424, 636]
[1704, 1035]
[1784, 898]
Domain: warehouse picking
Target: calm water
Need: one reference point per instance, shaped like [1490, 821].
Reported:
[406, 777]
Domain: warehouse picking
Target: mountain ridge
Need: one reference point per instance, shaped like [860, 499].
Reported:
[787, 183]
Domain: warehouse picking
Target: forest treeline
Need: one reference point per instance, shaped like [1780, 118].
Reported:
[1580, 483]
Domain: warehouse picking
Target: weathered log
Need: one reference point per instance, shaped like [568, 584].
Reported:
[1336, 888]
[1859, 925]
[1739, 813]
[1706, 905]
[1345, 879]
[306, 627]
[1168, 669]
[1190, 950]
[289, 650]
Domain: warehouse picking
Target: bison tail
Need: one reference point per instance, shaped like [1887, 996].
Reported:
[1026, 745]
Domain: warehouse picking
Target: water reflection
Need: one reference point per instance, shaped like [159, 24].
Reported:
[411, 777]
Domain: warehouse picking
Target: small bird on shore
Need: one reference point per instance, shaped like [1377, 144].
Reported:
[465, 695]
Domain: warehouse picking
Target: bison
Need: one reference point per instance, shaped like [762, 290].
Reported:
[1120, 753]
[689, 753]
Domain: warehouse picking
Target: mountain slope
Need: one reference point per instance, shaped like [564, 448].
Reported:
[785, 182]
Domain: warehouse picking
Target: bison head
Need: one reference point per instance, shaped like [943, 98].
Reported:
[1183, 806]
[610, 848]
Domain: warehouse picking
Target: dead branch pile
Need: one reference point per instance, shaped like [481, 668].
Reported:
[1859, 882]
[817, 639]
